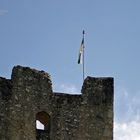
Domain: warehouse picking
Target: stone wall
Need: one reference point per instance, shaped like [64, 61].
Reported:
[28, 96]
[30, 93]
[5, 95]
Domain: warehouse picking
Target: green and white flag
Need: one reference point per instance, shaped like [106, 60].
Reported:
[81, 51]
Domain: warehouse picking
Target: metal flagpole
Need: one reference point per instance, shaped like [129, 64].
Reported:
[83, 56]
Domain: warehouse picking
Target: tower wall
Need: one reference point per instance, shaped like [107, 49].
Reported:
[72, 117]
[30, 92]
[97, 109]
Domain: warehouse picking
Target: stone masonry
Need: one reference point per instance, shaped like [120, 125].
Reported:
[28, 96]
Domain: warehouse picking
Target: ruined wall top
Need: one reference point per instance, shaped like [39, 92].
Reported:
[30, 76]
[26, 71]
[98, 90]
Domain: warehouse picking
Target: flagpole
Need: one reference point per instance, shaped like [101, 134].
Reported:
[83, 56]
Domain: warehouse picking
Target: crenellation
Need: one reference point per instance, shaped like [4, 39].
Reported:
[98, 91]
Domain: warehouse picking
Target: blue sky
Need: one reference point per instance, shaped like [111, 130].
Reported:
[46, 35]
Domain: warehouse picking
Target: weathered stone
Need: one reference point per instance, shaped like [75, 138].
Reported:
[28, 97]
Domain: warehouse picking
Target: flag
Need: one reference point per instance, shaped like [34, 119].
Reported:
[81, 51]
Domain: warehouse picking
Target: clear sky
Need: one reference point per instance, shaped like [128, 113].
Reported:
[46, 35]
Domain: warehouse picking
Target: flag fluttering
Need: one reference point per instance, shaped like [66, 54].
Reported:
[80, 57]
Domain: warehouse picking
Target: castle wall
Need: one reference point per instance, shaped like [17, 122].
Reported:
[87, 116]
[30, 93]
[65, 116]
[72, 117]
[5, 94]
[97, 110]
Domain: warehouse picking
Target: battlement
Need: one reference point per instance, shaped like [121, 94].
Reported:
[28, 96]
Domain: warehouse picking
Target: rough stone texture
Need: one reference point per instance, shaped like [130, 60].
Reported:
[28, 97]
[5, 94]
